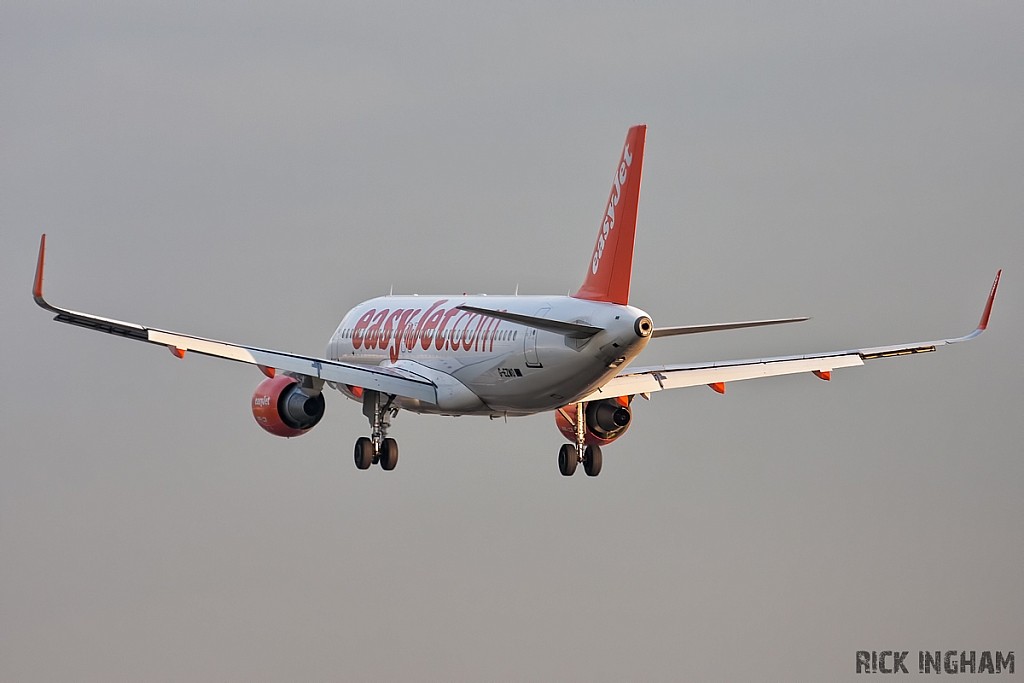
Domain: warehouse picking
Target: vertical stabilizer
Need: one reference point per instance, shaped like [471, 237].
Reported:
[611, 264]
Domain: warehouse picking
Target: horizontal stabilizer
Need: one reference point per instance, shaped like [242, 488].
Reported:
[717, 327]
[574, 330]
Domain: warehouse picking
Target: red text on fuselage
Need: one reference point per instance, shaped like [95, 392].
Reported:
[404, 328]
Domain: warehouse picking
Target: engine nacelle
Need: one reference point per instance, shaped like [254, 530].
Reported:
[282, 407]
[606, 421]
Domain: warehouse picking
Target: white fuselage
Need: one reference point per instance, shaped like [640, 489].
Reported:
[485, 366]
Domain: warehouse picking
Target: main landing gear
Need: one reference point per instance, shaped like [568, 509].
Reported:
[378, 449]
[570, 455]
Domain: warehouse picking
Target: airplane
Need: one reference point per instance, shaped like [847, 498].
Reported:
[499, 356]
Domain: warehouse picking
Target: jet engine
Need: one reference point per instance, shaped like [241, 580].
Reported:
[606, 420]
[283, 407]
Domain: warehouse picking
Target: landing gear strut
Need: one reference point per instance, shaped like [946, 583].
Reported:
[378, 448]
[570, 455]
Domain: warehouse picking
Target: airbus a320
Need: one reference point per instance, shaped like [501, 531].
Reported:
[498, 356]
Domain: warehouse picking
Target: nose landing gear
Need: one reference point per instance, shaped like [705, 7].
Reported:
[378, 448]
[570, 455]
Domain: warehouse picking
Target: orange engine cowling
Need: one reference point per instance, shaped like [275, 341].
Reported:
[606, 420]
[282, 407]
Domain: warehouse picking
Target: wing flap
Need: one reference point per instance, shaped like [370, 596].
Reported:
[383, 379]
[647, 380]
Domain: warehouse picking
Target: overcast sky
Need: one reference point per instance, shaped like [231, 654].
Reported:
[250, 172]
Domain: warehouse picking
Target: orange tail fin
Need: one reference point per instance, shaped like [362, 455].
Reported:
[612, 263]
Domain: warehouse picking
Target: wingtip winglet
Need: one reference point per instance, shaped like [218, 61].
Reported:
[988, 305]
[37, 286]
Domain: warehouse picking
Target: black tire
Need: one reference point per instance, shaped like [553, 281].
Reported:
[567, 459]
[388, 454]
[592, 461]
[364, 453]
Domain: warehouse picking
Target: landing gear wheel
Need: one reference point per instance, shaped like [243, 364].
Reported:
[592, 461]
[388, 454]
[567, 459]
[364, 453]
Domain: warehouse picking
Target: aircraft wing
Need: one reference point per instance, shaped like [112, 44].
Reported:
[385, 380]
[715, 374]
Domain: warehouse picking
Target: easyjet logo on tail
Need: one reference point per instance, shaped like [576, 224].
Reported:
[611, 265]
[613, 201]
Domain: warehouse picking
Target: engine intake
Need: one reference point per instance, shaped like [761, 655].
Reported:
[606, 421]
[283, 407]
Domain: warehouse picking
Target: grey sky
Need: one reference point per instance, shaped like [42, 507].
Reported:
[249, 173]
